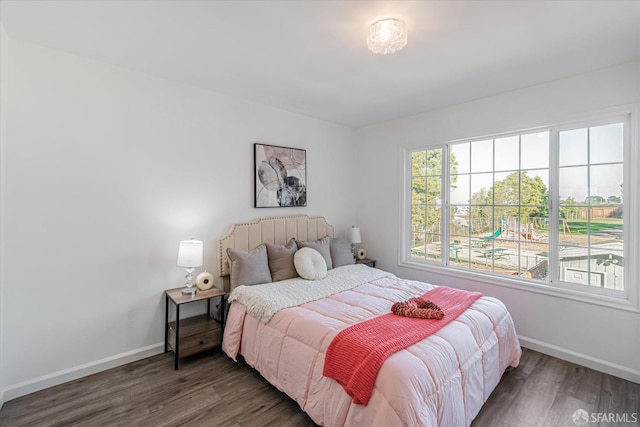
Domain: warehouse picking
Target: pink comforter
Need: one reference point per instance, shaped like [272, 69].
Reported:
[442, 380]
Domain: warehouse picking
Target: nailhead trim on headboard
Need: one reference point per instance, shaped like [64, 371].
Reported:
[276, 230]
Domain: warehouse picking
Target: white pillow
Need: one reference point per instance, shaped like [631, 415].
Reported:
[310, 264]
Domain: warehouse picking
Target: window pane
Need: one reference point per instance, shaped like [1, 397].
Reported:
[573, 184]
[418, 190]
[459, 221]
[534, 187]
[572, 147]
[434, 190]
[507, 153]
[480, 186]
[605, 230]
[459, 252]
[600, 267]
[418, 246]
[534, 150]
[433, 219]
[605, 143]
[434, 250]
[459, 189]
[460, 161]
[606, 184]
[506, 189]
[419, 163]
[507, 218]
[481, 220]
[434, 162]
[482, 156]
[574, 263]
[534, 260]
[504, 256]
[609, 268]
[535, 225]
[418, 218]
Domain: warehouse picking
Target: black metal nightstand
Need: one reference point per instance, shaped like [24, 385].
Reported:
[193, 334]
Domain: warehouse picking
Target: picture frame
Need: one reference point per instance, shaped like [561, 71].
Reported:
[280, 176]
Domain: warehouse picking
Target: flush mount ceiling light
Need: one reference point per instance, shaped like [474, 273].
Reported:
[387, 36]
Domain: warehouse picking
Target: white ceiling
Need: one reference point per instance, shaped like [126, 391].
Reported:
[310, 57]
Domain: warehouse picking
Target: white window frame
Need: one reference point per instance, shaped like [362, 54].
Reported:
[628, 299]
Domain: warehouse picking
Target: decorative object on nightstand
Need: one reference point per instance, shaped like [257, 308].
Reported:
[204, 280]
[367, 261]
[190, 257]
[361, 253]
[193, 334]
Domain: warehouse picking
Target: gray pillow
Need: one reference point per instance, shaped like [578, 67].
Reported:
[341, 252]
[323, 246]
[281, 260]
[249, 268]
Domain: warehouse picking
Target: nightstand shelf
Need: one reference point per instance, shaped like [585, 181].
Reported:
[193, 334]
[199, 333]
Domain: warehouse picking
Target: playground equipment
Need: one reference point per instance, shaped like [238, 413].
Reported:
[565, 226]
[533, 229]
[495, 235]
[511, 230]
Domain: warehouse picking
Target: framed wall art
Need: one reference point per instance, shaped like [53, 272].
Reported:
[280, 176]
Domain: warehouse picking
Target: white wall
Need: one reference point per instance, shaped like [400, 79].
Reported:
[106, 171]
[4, 61]
[596, 336]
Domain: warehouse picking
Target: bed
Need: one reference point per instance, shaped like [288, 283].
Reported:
[442, 380]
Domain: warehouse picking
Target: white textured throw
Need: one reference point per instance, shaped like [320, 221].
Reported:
[263, 301]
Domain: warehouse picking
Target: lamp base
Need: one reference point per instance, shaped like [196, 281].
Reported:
[189, 291]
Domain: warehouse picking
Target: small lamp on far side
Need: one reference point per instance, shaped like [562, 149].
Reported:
[189, 257]
[354, 237]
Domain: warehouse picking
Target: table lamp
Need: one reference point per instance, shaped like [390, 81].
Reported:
[190, 257]
[353, 235]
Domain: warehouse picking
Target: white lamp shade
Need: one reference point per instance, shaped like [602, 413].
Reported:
[190, 253]
[353, 235]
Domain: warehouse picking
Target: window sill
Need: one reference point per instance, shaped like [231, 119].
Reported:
[620, 303]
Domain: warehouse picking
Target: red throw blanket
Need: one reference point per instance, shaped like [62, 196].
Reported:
[356, 354]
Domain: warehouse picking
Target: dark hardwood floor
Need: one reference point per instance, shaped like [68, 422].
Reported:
[215, 391]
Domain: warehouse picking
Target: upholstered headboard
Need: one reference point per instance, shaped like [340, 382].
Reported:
[276, 230]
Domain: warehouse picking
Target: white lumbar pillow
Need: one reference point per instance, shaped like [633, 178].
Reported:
[310, 264]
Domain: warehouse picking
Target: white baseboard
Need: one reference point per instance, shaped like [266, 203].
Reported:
[581, 359]
[55, 378]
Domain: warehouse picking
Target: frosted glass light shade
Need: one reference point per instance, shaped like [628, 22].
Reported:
[387, 36]
[353, 235]
[190, 253]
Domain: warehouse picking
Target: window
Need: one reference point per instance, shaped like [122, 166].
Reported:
[591, 181]
[545, 207]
